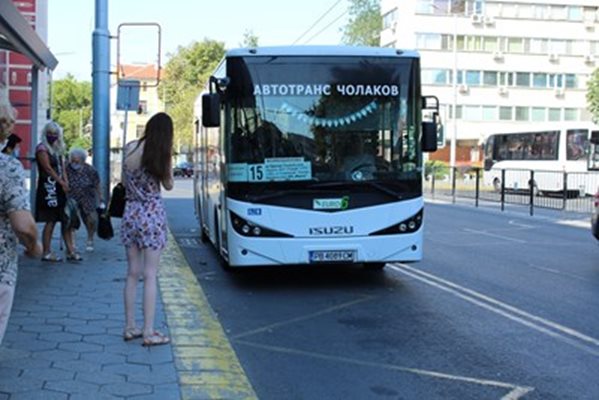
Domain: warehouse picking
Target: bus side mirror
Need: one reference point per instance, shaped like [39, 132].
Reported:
[211, 110]
[429, 136]
[595, 137]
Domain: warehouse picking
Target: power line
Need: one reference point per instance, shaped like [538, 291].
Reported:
[317, 21]
[326, 27]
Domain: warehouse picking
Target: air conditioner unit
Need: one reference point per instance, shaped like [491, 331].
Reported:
[476, 19]
[559, 92]
[463, 88]
[498, 55]
[503, 90]
[553, 57]
[489, 20]
[589, 24]
[589, 59]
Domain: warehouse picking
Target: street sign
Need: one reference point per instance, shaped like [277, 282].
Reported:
[127, 96]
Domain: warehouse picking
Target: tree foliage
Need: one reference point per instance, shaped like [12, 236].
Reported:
[249, 39]
[365, 23]
[72, 109]
[185, 75]
[593, 95]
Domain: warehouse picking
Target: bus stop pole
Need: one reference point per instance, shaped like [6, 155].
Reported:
[101, 95]
[531, 184]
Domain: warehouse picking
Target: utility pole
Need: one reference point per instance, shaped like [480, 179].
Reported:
[454, 133]
[101, 96]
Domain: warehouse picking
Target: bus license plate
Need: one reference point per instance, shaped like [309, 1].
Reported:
[318, 256]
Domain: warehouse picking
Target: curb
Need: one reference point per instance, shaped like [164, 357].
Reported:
[205, 361]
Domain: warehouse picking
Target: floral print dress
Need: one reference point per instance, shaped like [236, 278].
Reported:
[144, 221]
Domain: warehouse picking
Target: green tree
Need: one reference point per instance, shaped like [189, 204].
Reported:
[249, 39]
[185, 75]
[365, 23]
[593, 95]
[72, 108]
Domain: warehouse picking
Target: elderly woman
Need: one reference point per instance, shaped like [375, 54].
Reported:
[84, 187]
[52, 187]
[16, 221]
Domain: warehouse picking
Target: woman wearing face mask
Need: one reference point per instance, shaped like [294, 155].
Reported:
[84, 187]
[52, 186]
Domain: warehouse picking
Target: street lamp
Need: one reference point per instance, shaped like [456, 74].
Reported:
[454, 133]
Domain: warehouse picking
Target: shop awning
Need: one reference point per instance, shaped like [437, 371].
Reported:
[17, 35]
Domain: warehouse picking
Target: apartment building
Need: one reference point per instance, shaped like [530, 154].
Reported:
[149, 103]
[515, 63]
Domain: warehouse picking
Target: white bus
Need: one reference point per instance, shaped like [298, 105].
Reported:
[313, 155]
[552, 152]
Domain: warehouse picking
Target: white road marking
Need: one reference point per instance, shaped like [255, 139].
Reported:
[493, 235]
[562, 333]
[302, 317]
[557, 272]
[520, 224]
[515, 393]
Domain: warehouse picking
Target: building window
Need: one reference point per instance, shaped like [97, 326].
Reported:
[490, 44]
[515, 45]
[429, 41]
[538, 114]
[473, 78]
[506, 78]
[555, 114]
[522, 114]
[571, 81]
[570, 114]
[574, 13]
[472, 113]
[490, 78]
[505, 113]
[538, 46]
[523, 79]
[539, 80]
[435, 76]
[489, 113]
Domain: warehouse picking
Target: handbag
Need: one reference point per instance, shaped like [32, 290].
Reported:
[118, 200]
[70, 215]
[105, 230]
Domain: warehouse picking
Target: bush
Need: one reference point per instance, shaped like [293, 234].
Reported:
[438, 169]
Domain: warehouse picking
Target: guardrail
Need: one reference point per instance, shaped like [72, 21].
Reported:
[571, 195]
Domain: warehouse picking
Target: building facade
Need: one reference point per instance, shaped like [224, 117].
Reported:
[149, 104]
[515, 63]
[16, 77]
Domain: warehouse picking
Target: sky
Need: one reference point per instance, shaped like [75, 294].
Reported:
[71, 24]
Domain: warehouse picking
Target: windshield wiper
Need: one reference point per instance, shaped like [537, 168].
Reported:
[373, 184]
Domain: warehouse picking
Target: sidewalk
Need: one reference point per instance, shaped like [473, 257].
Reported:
[64, 338]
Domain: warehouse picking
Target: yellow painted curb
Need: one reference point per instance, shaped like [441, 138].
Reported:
[206, 364]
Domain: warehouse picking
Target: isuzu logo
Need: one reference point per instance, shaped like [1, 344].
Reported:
[331, 230]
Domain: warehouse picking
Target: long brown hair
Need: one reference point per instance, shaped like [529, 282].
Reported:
[158, 146]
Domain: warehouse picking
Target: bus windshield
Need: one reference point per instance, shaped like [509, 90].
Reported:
[320, 119]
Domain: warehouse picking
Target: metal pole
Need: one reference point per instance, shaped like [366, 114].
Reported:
[502, 189]
[34, 129]
[477, 192]
[532, 192]
[454, 135]
[101, 95]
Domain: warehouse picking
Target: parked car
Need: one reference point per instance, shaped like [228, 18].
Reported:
[595, 217]
[183, 169]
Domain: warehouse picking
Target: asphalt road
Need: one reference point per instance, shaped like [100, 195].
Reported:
[504, 306]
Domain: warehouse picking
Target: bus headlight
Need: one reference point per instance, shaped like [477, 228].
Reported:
[409, 225]
[246, 228]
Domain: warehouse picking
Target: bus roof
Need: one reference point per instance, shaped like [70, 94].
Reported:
[325, 51]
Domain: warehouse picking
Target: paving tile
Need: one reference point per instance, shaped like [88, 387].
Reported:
[154, 378]
[104, 339]
[38, 345]
[98, 396]
[162, 392]
[127, 369]
[152, 355]
[87, 316]
[127, 389]
[8, 354]
[80, 347]
[84, 328]
[56, 355]
[6, 372]
[12, 385]
[72, 387]
[47, 374]
[40, 395]
[100, 378]
[61, 337]
[104, 358]
[78, 366]
[40, 328]
[26, 363]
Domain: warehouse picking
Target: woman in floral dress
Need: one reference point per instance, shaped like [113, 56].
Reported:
[147, 167]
